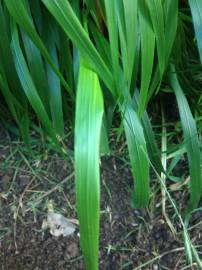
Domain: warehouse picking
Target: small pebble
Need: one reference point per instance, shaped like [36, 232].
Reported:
[155, 267]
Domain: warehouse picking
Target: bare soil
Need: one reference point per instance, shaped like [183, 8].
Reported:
[128, 239]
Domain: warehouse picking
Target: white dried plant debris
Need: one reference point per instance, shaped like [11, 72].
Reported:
[58, 225]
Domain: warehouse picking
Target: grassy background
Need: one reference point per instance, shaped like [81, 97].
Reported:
[95, 67]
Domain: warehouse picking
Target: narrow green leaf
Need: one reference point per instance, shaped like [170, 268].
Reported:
[102, 45]
[157, 17]
[123, 41]
[20, 15]
[147, 54]
[138, 154]
[6, 57]
[110, 7]
[28, 85]
[152, 147]
[196, 10]
[53, 80]
[171, 20]
[69, 22]
[89, 111]
[37, 15]
[191, 141]
[36, 69]
[131, 25]
[65, 57]
[35, 63]
[104, 142]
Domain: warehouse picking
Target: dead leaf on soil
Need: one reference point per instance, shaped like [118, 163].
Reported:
[59, 225]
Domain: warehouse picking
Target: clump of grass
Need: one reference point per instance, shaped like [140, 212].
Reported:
[102, 58]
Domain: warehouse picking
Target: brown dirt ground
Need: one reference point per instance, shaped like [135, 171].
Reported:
[128, 239]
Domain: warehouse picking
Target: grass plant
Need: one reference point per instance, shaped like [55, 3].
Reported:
[96, 65]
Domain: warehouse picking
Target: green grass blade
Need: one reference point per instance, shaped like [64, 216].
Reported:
[6, 58]
[28, 85]
[36, 69]
[36, 12]
[65, 57]
[138, 154]
[53, 80]
[152, 147]
[131, 25]
[21, 16]
[157, 17]
[171, 20]
[102, 45]
[104, 142]
[191, 141]
[147, 54]
[65, 16]
[89, 112]
[123, 43]
[110, 7]
[196, 10]
[126, 12]
[35, 64]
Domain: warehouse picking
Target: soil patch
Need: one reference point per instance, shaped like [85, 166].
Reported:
[128, 238]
